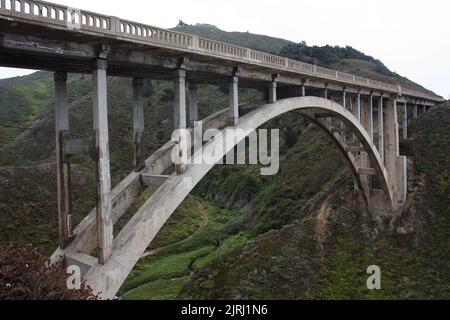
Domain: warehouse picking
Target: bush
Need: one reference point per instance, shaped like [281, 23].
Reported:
[26, 275]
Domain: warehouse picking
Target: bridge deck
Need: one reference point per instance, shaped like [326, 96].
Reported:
[42, 35]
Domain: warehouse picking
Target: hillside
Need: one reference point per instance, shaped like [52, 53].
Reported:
[325, 249]
[243, 39]
[300, 234]
[345, 59]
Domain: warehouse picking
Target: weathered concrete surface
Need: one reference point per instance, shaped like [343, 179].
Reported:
[103, 177]
[234, 100]
[138, 123]
[180, 99]
[62, 164]
[126, 192]
[146, 223]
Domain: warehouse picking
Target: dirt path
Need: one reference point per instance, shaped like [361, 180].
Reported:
[200, 228]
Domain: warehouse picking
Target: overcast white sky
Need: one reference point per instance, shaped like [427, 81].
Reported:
[411, 37]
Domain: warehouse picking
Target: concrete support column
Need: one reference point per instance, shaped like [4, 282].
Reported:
[357, 107]
[234, 100]
[395, 165]
[415, 111]
[272, 91]
[364, 157]
[138, 123]
[405, 121]
[303, 89]
[325, 92]
[180, 99]
[193, 103]
[369, 116]
[381, 127]
[100, 116]
[344, 98]
[62, 164]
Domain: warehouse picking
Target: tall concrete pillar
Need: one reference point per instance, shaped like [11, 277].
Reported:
[100, 116]
[62, 165]
[364, 158]
[234, 100]
[381, 127]
[180, 99]
[344, 98]
[395, 165]
[405, 121]
[193, 103]
[415, 111]
[138, 123]
[369, 116]
[357, 107]
[272, 91]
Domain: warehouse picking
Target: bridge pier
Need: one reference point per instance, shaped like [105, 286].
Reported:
[344, 98]
[381, 126]
[180, 99]
[325, 92]
[100, 117]
[395, 164]
[303, 88]
[234, 100]
[369, 116]
[193, 103]
[62, 163]
[357, 107]
[405, 121]
[272, 91]
[138, 124]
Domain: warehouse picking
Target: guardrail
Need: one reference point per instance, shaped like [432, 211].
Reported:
[82, 20]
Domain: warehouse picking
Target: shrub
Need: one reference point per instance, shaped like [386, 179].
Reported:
[26, 275]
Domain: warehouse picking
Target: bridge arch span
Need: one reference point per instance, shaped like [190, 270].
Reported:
[135, 237]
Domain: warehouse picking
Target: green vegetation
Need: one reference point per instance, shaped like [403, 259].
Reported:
[168, 268]
[300, 234]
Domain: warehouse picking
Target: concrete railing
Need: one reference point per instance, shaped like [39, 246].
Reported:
[221, 49]
[81, 20]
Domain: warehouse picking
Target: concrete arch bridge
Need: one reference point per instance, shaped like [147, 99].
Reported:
[360, 115]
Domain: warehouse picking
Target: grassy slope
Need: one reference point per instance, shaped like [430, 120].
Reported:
[325, 253]
[163, 274]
